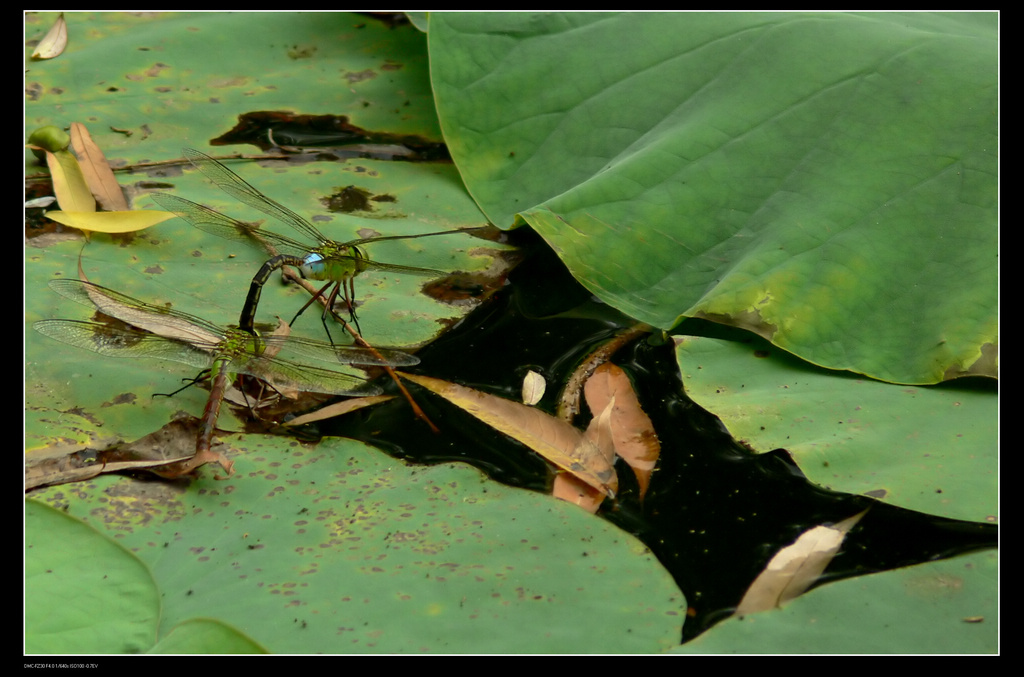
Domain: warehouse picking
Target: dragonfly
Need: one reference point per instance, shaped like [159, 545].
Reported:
[162, 333]
[337, 262]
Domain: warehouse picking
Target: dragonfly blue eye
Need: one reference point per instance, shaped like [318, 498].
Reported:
[312, 267]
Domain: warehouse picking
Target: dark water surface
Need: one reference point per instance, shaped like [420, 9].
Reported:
[715, 512]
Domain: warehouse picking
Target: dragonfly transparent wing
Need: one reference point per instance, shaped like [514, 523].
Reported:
[285, 375]
[238, 188]
[123, 342]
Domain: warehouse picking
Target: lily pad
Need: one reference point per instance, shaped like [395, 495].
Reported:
[84, 593]
[931, 449]
[339, 549]
[935, 608]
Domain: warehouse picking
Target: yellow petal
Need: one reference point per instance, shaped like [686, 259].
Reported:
[111, 222]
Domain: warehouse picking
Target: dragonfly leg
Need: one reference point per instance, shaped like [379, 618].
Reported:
[310, 302]
[189, 382]
[350, 301]
[329, 310]
[314, 297]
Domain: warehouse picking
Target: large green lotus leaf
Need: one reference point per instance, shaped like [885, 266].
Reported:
[932, 449]
[338, 548]
[84, 594]
[825, 180]
[951, 606]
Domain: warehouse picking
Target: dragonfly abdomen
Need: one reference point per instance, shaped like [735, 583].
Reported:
[248, 317]
[211, 412]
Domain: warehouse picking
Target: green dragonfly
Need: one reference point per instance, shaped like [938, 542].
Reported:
[162, 333]
[337, 262]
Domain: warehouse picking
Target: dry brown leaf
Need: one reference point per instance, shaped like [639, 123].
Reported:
[54, 42]
[597, 448]
[168, 452]
[338, 409]
[796, 567]
[284, 330]
[552, 438]
[59, 464]
[631, 429]
[97, 171]
[596, 451]
[573, 490]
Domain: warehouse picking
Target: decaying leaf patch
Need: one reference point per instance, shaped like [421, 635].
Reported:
[169, 452]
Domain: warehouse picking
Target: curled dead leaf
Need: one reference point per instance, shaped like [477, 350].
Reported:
[573, 490]
[54, 42]
[168, 452]
[596, 450]
[632, 432]
[796, 567]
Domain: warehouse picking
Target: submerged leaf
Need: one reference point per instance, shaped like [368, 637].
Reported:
[796, 567]
[552, 438]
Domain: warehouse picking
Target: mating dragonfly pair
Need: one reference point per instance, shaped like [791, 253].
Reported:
[162, 333]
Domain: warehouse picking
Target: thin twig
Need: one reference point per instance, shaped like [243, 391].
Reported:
[292, 274]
